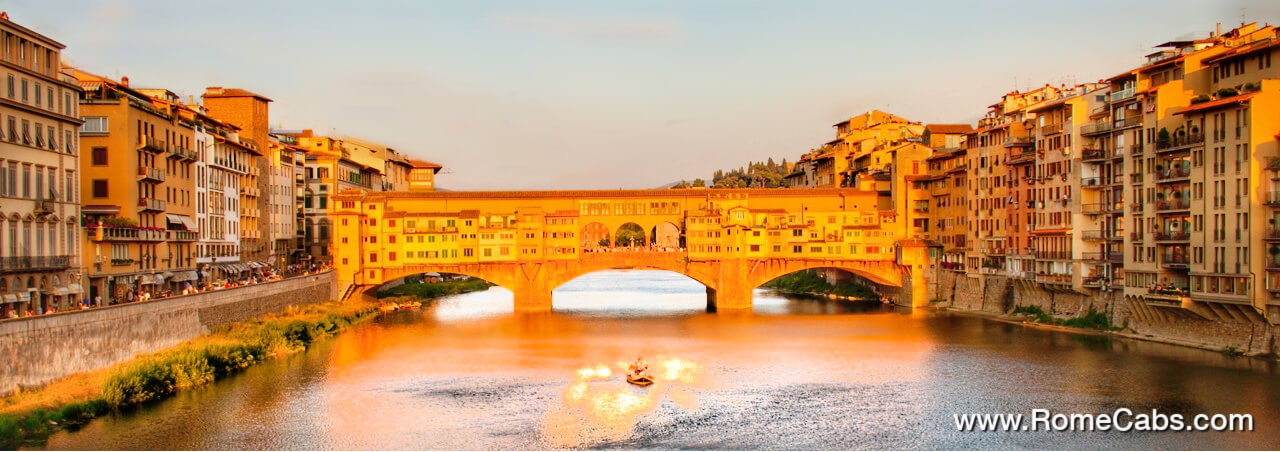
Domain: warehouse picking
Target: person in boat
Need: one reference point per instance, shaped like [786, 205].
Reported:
[638, 372]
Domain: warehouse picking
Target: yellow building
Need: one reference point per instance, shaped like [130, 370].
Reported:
[40, 234]
[141, 228]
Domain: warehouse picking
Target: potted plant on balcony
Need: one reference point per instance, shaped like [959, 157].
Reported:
[1162, 138]
[1160, 196]
[1195, 130]
[1159, 168]
[1274, 250]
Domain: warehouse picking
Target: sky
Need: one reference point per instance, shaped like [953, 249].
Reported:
[523, 95]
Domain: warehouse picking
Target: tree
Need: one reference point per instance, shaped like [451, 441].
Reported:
[699, 182]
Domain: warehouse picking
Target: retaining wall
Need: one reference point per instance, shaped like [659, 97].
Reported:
[37, 350]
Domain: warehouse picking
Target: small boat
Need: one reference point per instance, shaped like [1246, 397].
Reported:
[639, 380]
[638, 373]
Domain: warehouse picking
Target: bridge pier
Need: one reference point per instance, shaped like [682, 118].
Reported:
[736, 300]
[532, 296]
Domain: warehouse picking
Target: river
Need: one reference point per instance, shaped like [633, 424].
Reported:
[798, 373]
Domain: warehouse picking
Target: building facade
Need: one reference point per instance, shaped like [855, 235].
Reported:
[40, 245]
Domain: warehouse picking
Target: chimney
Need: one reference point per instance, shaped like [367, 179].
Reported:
[4, 15]
[124, 80]
[1219, 30]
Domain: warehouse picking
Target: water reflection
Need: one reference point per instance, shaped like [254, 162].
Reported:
[800, 373]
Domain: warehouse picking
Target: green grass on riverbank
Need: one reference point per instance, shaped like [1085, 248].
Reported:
[809, 281]
[427, 290]
[1092, 320]
[31, 416]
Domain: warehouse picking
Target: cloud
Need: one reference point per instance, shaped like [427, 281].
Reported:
[590, 28]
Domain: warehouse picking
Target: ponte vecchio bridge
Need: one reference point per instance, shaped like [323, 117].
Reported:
[730, 240]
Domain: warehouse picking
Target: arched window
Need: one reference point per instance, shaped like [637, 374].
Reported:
[324, 229]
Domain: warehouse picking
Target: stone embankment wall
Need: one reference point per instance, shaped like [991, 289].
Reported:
[37, 350]
[1000, 295]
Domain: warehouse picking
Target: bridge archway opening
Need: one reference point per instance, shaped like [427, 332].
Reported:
[428, 285]
[630, 291]
[667, 235]
[630, 234]
[833, 281]
[595, 234]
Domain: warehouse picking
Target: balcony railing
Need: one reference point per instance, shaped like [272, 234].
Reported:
[1272, 234]
[1051, 129]
[1095, 154]
[151, 144]
[1173, 174]
[1096, 127]
[1127, 122]
[1019, 142]
[1175, 236]
[151, 204]
[150, 174]
[1097, 236]
[13, 264]
[1273, 198]
[1176, 143]
[184, 236]
[1172, 205]
[1053, 255]
[1173, 261]
[1123, 94]
[1053, 278]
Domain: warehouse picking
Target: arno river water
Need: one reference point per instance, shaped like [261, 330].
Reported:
[798, 373]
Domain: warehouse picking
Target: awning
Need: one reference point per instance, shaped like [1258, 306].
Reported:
[24, 296]
[184, 276]
[185, 221]
[74, 288]
[10, 298]
[254, 265]
[100, 209]
[168, 274]
[151, 279]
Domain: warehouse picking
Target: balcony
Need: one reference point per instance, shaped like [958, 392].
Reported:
[1098, 236]
[1178, 143]
[42, 207]
[1272, 235]
[1174, 261]
[1173, 174]
[1175, 236]
[151, 144]
[1098, 182]
[1051, 129]
[1094, 257]
[1123, 94]
[150, 174]
[1273, 199]
[1019, 142]
[180, 152]
[1096, 128]
[1171, 296]
[1053, 255]
[1094, 282]
[1172, 205]
[150, 204]
[1053, 278]
[1131, 121]
[1095, 155]
[14, 264]
[184, 236]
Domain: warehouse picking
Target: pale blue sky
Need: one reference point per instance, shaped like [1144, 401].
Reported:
[613, 94]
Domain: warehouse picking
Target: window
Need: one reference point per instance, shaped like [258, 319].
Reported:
[94, 124]
[99, 188]
[99, 156]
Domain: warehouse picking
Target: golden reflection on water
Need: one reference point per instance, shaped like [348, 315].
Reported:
[596, 407]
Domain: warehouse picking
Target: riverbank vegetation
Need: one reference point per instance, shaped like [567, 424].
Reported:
[810, 282]
[428, 290]
[30, 417]
[1092, 320]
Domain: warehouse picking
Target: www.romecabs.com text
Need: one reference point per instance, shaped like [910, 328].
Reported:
[1120, 420]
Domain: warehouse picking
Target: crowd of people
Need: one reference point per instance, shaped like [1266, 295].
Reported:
[146, 293]
[633, 249]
